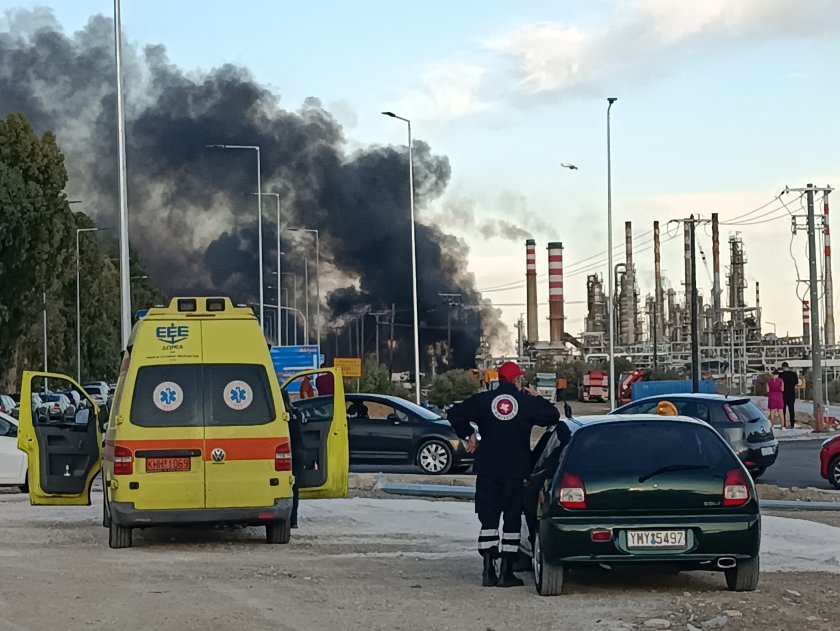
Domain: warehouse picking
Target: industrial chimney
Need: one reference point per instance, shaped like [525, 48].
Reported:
[658, 297]
[556, 316]
[531, 289]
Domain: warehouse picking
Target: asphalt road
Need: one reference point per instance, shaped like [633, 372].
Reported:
[798, 464]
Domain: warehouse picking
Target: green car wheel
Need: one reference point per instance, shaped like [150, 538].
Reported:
[548, 578]
[744, 576]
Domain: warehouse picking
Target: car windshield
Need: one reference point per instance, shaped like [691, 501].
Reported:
[93, 390]
[639, 448]
[419, 411]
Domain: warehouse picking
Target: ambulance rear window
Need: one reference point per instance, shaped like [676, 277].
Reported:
[167, 396]
[237, 394]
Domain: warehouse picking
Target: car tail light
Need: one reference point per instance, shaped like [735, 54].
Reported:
[601, 534]
[572, 493]
[735, 489]
[283, 457]
[123, 461]
[730, 414]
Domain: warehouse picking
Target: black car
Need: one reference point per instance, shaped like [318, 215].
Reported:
[641, 489]
[389, 430]
[747, 430]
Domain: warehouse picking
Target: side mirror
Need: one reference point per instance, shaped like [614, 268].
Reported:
[394, 418]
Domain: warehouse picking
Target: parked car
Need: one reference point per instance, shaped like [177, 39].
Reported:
[390, 430]
[12, 460]
[99, 392]
[745, 427]
[642, 489]
[7, 405]
[56, 404]
[830, 461]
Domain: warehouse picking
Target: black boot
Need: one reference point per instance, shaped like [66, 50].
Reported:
[508, 578]
[489, 578]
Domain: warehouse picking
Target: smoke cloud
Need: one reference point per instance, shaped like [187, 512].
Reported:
[193, 215]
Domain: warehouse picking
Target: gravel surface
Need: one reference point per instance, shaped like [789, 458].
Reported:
[340, 572]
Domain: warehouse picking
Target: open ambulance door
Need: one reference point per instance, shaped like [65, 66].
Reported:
[59, 432]
[318, 432]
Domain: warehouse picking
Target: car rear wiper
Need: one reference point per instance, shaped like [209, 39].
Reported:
[673, 467]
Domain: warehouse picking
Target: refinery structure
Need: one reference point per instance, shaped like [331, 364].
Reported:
[653, 329]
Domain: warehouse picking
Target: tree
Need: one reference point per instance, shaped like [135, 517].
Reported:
[451, 386]
[35, 242]
[376, 379]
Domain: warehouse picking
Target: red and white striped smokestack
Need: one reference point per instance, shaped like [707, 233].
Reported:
[556, 316]
[531, 290]
[806, 322]
[657, 279]
[829, 283]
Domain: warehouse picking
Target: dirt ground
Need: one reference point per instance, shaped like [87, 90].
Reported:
[58, 573]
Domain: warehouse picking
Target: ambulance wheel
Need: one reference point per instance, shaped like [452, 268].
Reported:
[106, 516]
[549, 579]
[119, 536]
[279, 531]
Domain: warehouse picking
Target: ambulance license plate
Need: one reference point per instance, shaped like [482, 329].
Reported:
[656, 538]
[156, 465]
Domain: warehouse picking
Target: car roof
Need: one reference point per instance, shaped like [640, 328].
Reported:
[699, 396]
[384, 397]
[579, 422]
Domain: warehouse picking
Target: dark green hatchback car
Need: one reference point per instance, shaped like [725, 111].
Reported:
[643, 489]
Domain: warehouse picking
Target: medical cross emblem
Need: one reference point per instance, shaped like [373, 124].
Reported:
[505, 407]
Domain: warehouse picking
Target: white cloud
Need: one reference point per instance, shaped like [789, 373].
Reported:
[447, 89]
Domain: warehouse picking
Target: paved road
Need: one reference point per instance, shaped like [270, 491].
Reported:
[798, 465]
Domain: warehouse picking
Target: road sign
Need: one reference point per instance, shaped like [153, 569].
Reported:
[350, 366]
[289, 360]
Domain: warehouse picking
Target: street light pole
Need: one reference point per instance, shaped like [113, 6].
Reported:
[317, 279]
[294, 302]
[610, 306]
[276, 196]
[79, 306]
[413, 259]
[125, 282]
[259, 195]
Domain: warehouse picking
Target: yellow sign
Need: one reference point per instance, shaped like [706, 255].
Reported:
[350, 366]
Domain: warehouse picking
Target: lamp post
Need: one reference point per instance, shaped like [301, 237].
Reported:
[317, 280]
[413, 259]
[294, 301]
[259, 195]
[79, 307]
[610, 318]
[278, 338]
[276, 196]
[125, 272]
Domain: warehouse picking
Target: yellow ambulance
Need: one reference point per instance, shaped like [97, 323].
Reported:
[198, 431]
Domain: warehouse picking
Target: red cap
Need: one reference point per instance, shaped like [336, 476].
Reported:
[510, 371]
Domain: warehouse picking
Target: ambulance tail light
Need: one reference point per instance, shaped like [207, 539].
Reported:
[283, 457]
[572, 493]
[123, 461]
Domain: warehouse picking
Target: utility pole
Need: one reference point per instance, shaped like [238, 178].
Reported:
[391, 341]
[816, 347]
[451, 300]
[376, 315]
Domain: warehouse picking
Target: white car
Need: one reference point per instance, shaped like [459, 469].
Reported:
[55, 404]
[12, 460]
[98, 392]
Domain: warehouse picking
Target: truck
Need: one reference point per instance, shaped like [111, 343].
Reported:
[546, 385]
[594, 386]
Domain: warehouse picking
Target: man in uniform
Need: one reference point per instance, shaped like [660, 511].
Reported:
[790, 380]
[505, 417]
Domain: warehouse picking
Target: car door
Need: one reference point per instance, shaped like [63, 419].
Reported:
[64, 453]
[12, 460]
[322, 450]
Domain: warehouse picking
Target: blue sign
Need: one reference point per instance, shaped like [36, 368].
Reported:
[289, 360]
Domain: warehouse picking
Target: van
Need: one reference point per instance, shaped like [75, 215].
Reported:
[198, 431]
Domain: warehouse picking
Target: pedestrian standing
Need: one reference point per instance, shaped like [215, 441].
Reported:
[790, 381]
[306, 390]
[775, 398]
[504, 417]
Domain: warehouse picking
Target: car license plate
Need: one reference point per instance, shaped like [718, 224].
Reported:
[767, 451]
[156, 465]
[656, 538]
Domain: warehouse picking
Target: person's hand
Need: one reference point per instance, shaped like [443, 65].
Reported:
[530, 389]
[472, 444]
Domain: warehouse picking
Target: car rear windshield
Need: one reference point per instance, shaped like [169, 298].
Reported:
[638, 448]
[94, 390]
[747, 412]
[193, 395]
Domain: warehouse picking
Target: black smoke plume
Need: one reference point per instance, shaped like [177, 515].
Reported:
[192, 212]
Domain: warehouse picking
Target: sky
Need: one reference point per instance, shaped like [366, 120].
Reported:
[720, 106]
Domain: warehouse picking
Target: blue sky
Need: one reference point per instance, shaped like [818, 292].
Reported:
[719, 108]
